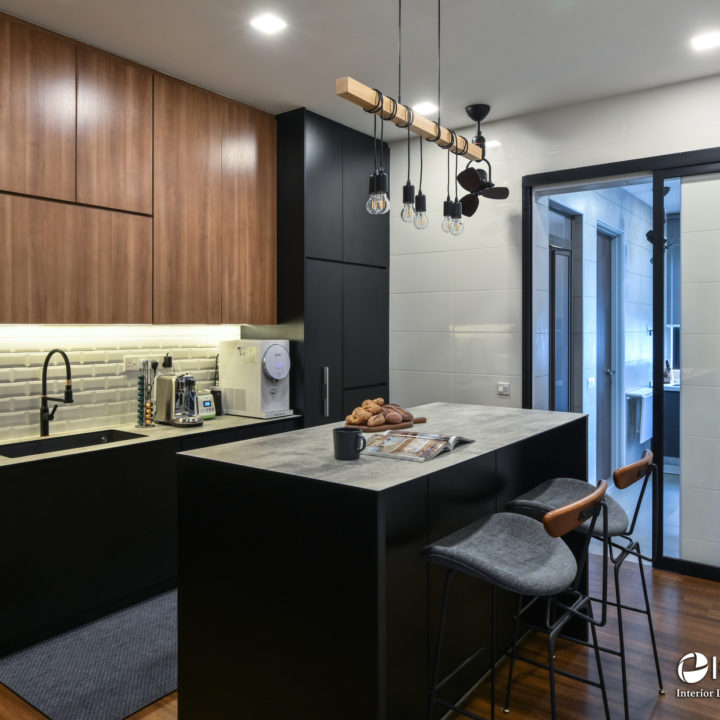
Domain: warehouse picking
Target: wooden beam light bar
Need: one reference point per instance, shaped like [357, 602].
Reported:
[367, 98]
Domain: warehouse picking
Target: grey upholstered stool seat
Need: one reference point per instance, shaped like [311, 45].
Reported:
[557, 492]
[510, 551]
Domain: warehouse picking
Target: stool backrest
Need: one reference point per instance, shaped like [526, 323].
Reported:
[565, 519]
[626, 476]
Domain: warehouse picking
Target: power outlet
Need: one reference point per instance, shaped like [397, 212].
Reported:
[132, 363]
[503, 388]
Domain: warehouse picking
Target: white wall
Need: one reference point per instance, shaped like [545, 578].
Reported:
[700, 371]
[455, 303]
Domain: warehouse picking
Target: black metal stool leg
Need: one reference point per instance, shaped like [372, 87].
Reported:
[621, 637]
[493, 642]
[506, 708]
[650, 624]
[431, 700]
[551, 667]
[596, 648]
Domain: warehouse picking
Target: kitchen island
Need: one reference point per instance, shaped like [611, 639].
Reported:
[302, 592]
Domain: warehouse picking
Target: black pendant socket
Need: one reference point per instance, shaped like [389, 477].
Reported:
[372, 185]
[420, 203]
[448, 208]
[383, 183]
[457, 210]
[408, 194]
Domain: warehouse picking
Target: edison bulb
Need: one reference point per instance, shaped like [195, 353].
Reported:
[421, 220]
[407, 214]
[383, 204]
[371, 204]
[457, 226]
[446, 224]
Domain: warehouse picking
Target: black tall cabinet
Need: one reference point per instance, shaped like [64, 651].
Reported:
[333, 267]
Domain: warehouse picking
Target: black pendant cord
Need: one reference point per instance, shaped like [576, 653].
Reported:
[400, 51]
[421, 166]
[438, 49]
[374, 110]
[456, 174]
[448, 174]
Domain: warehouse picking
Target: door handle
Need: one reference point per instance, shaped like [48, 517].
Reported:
[326, 392]
[609, 372]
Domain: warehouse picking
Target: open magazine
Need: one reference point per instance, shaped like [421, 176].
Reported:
[409, 445]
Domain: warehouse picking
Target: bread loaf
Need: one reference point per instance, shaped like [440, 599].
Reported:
[375, 420]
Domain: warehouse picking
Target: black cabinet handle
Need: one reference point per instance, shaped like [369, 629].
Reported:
[326, 391]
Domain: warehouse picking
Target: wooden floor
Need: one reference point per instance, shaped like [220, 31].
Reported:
[687, 618]
[686, 615]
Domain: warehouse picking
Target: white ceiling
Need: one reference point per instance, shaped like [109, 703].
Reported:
[517, 55]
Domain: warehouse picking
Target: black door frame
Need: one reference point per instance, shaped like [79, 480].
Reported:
[660, 167]
[552, 334]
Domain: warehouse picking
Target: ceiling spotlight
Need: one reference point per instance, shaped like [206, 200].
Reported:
[706, 41]
[425, 108]
[268, 23]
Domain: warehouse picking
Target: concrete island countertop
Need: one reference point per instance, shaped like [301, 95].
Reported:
[150, 434]
[308, 453]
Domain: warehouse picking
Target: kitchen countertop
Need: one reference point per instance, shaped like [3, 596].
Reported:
[150, 434]
[309, 452]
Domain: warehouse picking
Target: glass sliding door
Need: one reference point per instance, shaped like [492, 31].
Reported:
[690, 481]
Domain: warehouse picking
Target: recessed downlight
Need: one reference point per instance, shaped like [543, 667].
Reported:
[706, 41]
[268, 23]
[425, 108]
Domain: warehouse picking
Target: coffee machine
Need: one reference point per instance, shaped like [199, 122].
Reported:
[176, 400]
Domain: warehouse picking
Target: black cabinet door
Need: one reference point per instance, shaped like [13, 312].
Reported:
[353, 398]
[365, 326]
[366, 238]
[323, 188]
[323, 349]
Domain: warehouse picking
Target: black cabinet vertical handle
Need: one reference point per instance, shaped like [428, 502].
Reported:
[326, 391]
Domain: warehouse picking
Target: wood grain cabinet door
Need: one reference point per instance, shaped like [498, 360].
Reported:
[249, 216]
[187, 204]
[114, 133]
[69, 264]
[37, 112]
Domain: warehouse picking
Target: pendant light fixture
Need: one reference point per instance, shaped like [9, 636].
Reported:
[407, 214]
[421, 220]
[378, 202]
[457, 227]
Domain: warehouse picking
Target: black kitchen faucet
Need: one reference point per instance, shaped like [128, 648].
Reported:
[45, 415]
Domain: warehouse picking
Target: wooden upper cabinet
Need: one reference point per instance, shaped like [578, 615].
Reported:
[114, 133]
[249, 216]
[69, 264]
[187, 208]
[37, 112]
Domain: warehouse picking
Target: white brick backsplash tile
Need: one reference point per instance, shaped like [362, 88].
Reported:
[12, 359]
[14, 389]
[107, 369]
[29, 402]
[14, 419]
[94, 356]
[92, 383]
[104, 394]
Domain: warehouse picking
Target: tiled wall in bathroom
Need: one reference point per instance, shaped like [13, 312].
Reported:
[103, 394]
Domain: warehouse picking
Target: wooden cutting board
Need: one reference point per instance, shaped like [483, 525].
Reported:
[387, 426]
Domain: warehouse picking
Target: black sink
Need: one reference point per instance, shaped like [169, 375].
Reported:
[65, 442]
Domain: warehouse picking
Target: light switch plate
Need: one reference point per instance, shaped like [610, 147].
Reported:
[503, 388]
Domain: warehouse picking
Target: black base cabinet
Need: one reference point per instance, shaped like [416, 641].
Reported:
[87, 534]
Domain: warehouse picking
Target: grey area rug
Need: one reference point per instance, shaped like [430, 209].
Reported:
[105, 670]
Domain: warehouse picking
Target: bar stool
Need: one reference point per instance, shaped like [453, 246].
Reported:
[516, 553]
[557, 492]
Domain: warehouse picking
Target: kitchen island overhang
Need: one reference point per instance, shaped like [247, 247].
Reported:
[301, 584]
